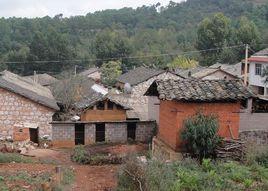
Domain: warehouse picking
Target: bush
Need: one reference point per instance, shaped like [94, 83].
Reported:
[190, 175]
[80, 155]
[257, 154]
[200, 135]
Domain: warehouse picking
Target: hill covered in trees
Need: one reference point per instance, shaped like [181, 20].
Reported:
[132, 35]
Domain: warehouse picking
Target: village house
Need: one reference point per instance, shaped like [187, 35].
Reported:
[92, 73]
[180, 99]
[43, 79]
[101, 119]
[257, 63]
[214, 72]
[138, 80]
[26, 108]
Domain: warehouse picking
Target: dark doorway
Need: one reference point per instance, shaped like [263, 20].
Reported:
[34, 135]
[100, 132]
[79, 134]
[131, 131]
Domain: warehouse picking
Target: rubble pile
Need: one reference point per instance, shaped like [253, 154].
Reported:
[22, 147]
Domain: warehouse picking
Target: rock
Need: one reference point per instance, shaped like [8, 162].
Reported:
[23, 151]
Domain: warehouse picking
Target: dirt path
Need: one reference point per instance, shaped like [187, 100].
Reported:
[95, 178]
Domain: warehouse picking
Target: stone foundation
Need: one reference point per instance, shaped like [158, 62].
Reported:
[259, 137]
[163, 152]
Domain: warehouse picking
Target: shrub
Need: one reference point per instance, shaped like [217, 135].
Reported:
[80, 155]
[189, 175]
[200, 135]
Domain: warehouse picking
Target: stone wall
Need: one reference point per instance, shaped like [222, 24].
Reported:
[259, 137]
[16, 110]
[63, 135]
[116, 132]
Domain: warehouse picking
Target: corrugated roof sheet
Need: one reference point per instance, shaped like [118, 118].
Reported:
[27, 88]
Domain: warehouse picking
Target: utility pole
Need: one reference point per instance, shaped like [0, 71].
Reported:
[246, 66]
[75, 67]
[35, 77]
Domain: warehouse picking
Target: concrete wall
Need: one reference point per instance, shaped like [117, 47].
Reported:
[16, 110]
[253, 121]
[90, 130]
[256, 80]
[63, 135]
[116, 132]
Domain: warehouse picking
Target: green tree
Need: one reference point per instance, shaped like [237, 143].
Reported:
[110, 71]
[247, 32]
[111, 44]
[213, 33]
[183, 63]
[200, 135]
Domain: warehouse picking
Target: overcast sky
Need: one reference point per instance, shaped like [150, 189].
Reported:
[40, 8]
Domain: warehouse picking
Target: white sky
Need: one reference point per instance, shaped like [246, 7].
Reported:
[40, 8]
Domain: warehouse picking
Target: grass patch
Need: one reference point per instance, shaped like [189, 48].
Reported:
[14, 157]
[191, 175]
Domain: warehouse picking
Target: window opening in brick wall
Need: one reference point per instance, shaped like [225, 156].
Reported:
[258, 69]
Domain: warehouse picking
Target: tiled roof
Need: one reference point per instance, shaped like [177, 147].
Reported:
[43, 79]
[88, 71]
[27, 88]
[139, 75]
[97, 97]
[263, 52]
[199, 90]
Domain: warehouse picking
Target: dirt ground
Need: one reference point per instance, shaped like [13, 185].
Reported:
[87, 178]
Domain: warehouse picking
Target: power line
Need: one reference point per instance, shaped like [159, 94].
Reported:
[125, 57]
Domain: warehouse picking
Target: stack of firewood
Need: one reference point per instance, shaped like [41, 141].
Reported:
[231, 149]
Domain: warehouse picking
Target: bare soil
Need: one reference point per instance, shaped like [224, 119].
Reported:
[87, 178]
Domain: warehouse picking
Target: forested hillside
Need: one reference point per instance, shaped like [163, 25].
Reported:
[54, 44]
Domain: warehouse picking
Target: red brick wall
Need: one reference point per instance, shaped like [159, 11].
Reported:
[16, 109]
[173, 113]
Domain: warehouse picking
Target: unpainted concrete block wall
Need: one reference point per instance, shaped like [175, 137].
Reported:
[63, 135]
[116, 132]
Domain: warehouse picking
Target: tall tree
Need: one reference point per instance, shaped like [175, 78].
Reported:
[213, 33]
[110, 71]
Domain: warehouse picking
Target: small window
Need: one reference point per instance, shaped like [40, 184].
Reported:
[258, 69]
[110, 105]
[100, 106]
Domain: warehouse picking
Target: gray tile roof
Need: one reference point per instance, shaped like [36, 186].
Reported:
[199, 90]
[43, 79]
[27, 88]
[263, 52]
[138, 75]
[88, 71]
[95, 97]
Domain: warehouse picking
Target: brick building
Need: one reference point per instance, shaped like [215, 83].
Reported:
[180, 99]
[102, 119]
[26, 108]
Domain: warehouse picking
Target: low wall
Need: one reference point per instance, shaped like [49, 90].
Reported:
[253, 121]
[259, 137]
